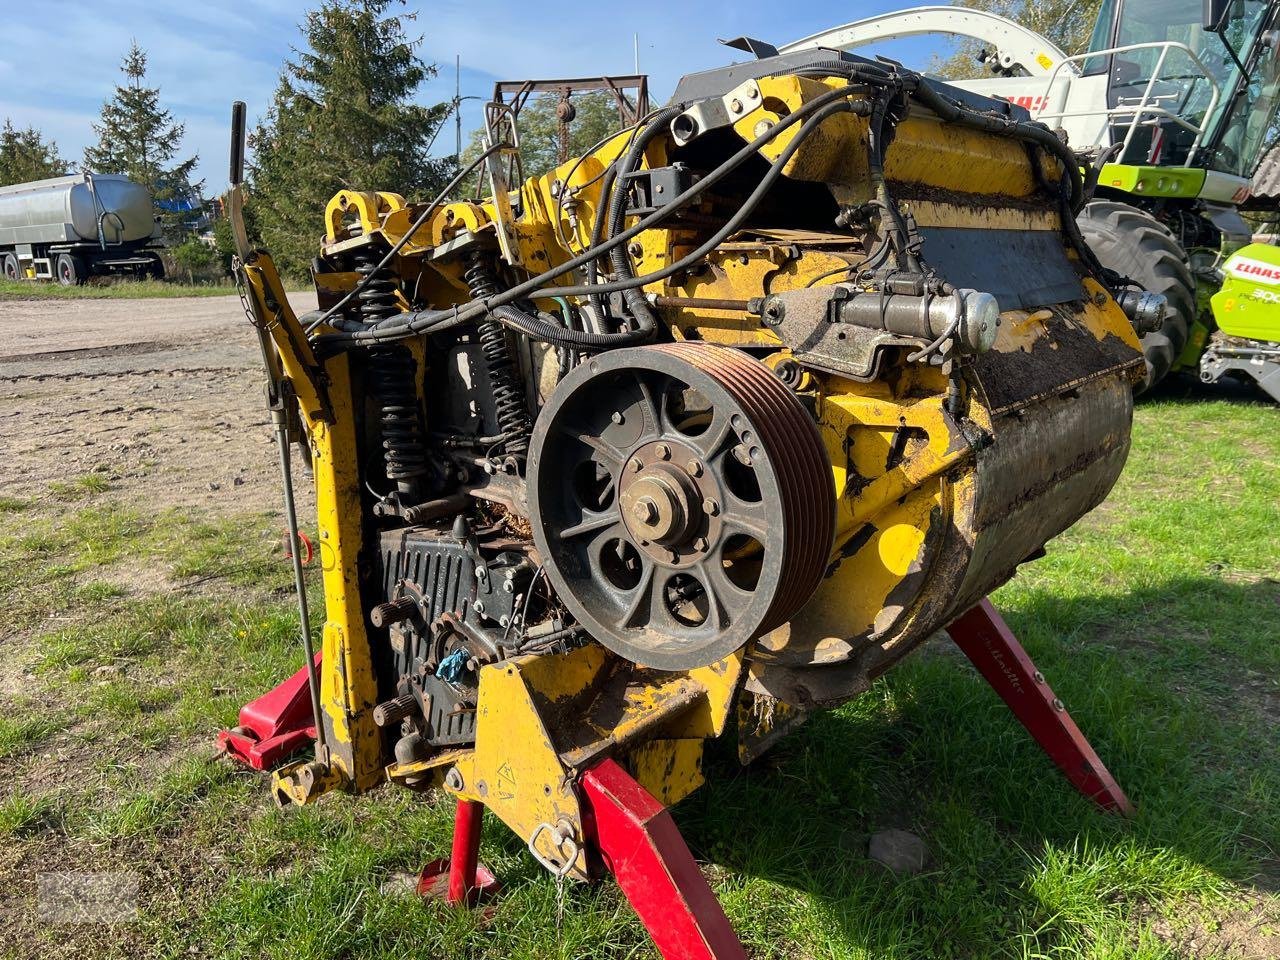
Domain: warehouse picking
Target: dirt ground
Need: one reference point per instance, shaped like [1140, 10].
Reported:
[162, 396]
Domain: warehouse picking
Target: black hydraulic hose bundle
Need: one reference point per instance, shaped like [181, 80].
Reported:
[411, 323]
[646, 324]
[502, 305]
[619, 257]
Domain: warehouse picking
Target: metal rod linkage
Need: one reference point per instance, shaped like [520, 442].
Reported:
[279, 417]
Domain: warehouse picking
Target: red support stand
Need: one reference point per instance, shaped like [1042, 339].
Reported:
[987, 641]
[641, 846]
[460, 880]
[277, 724]
[634, 835]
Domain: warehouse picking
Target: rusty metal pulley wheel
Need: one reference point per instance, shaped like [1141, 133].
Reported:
[681, 499]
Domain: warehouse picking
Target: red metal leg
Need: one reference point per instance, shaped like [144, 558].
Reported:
[275, 725]
[640, 844]
[461, 879]
[987, 641]
[466, 850]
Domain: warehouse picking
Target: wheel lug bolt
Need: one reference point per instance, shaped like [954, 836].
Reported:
[663, 451]
[701, 544]
[634, 465]
[695, 468]
[711, 506]
[617, 416]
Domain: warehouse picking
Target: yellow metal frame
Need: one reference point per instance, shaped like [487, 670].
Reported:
[902, 464]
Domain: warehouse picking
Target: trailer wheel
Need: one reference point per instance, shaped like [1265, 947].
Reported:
[12, 269]
[69, 269]
[1137, 245]
[154, 270]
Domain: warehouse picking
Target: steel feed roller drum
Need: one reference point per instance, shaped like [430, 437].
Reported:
[70, 208]
[681, 499]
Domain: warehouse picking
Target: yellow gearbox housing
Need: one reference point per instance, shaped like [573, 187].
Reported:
[725, 416]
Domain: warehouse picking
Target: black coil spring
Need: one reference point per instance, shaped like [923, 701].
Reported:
[391, 380]
[508, 395]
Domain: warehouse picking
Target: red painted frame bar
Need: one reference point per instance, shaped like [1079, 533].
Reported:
[460, 879]
[989, 643]
[641, 846]
[275, 725]
[463, 885]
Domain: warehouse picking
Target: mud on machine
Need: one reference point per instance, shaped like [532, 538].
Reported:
[699, 432]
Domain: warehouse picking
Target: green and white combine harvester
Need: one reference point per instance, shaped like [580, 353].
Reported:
[1178, 100]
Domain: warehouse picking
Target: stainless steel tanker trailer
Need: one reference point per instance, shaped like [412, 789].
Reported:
[72, 228]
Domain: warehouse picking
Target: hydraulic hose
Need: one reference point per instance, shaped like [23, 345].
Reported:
[732, 224]
[951, 112]
[409, 324]
[619, 257]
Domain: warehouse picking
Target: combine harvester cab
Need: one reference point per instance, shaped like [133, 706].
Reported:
[703, 430]
[1171, 107]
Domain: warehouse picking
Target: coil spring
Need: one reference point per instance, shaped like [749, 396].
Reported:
[391, 374]
[508, 395]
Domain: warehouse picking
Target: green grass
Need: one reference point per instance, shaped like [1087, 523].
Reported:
[21, 812]
[25, 731]
[103, 289]
[1156, 619]
[81, 488]
[111, 290]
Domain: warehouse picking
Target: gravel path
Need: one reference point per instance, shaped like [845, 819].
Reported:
[163, 396]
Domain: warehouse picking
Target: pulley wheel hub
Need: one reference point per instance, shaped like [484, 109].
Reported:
[681, 499]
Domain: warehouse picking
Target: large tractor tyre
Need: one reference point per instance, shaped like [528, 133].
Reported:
[1136, 245]
[69, 270]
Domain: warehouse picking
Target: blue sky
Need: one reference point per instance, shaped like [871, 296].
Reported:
[59, 64]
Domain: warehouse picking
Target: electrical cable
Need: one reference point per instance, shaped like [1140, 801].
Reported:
[399, 244]
[411, 323]
[598, 177]
[646, 323]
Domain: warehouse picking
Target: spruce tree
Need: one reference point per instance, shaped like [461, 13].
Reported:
[140, 140]
[25, 156]
[343, 117]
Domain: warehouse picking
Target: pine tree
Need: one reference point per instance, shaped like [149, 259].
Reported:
[25, 156]
[140, 140]
[343, 117]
